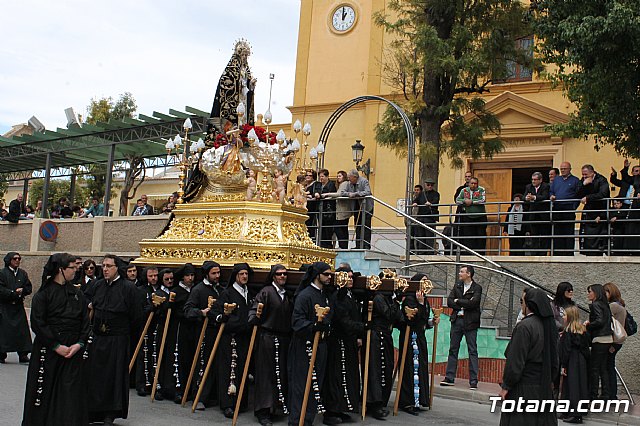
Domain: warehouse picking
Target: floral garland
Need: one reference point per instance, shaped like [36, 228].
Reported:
[344, 376]
[276, 343]
[43, 353]
[314, 382]
[234, 363]
[221, 138]
[416, 366]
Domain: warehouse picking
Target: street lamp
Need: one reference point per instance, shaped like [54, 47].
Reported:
[357, 149]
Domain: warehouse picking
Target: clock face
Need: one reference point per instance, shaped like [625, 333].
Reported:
[343, 19]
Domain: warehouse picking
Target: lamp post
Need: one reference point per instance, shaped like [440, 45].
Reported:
[357, 149]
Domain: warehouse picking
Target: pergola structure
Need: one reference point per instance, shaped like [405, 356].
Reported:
[54, 153]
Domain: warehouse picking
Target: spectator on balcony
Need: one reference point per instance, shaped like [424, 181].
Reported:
[553, 173]
[625, 183]
[593, 191]
[96, 209]
[536, 206]
[170, 204]
[38, 211]
[148, 207]
[459, 209]
[419, 212]
[328, 210]
[62, 210]
[433, 197]
[359, 187]
[344, 210]
[563, 215]
[312, 187]
[16, 210]
[514, 228]
[474, 217]
[140, 209]
[617, 224]
[29, 212]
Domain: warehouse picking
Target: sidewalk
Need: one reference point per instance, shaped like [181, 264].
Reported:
[462, 392]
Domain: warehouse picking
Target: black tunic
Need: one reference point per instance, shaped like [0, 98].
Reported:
[233, 347]
[522, 371]
[148, 354]
[302, 321]
[14, 329]
[197, 301]
[574, 357]
[58, 317]
[341, 388]
[414, 391]
[272, 345]
[386, 313]
[116, 313]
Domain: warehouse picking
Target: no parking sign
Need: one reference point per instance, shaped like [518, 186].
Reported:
[49, 231]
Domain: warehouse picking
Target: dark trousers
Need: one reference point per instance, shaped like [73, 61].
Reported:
[363, 229]
[21, 354]
[516, 243]
[341, 229]
[312, 225]
[598, 371]
[593, 244]
[474, 231]
[455, 337]
[564, 233]
[611, 367]
[417, 238]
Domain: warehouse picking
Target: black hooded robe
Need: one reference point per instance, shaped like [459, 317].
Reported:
[116, 313]
[148, 354]
[386, 313]
[417, 351]
[341, 388]
[14, 328]
[197, 301]
[302, 321]
[272, 345]
[58, 317]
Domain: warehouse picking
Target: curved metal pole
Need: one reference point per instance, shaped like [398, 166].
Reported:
[411, 142]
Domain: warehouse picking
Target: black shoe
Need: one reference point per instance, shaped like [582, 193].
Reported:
[141, 392]
[178, 399]
[158, 396]
[265, 421]
[378, 414]
[228, 413]
[447, 382]
[24, 359]
[108, 421]
[331, 420]
[345, 418]
[385, 412]
[411, 410]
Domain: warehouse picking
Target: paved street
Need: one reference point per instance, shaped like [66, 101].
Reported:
[142, 412]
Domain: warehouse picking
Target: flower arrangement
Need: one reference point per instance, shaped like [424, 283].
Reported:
[263, 136]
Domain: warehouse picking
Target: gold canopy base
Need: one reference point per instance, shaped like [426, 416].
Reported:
[228, 232]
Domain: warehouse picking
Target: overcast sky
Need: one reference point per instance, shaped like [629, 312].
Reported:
[168, 54]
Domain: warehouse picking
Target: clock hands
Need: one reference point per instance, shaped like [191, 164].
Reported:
[344, 13]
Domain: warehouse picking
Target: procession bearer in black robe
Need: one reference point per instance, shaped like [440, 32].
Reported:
[414, 392]
[195, 311]
[148, 355]
[234, 343]
[165, 388]
[341, 388]
[117, 312]
[272, 343]
[386, 314]
[14, 329]
[56, 388]
[304, 324]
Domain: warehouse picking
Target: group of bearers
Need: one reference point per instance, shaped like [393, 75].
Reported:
[83, 352]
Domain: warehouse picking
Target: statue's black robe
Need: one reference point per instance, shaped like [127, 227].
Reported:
[116, 313]
[14, 329]
[522, 372]
[58, 317]
[272, 343]
[302, 321]
[386, 313]
[341, 387]
[236, 332]
[197, 301]
[418, 325]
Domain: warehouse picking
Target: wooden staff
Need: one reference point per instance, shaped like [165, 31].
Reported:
[320, 314]
[228, 309]
[365, 384]
[436, 316]
[210, 302]
[246, 366]
[410, 313]
[172, 297]
[156, 300]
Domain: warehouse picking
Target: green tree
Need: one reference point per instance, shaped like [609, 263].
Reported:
[59, 188]
[444, 54]
[595, 46]
[103, 110]
[3, 187]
